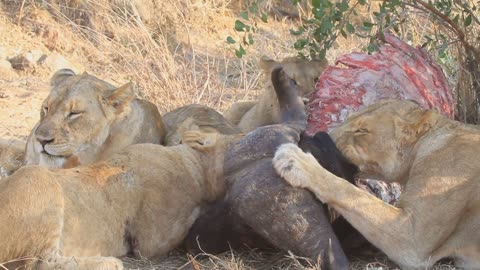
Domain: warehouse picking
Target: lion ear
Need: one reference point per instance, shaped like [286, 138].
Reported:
[267, 64]
[418, 123]
[199, 140]
[60, 76]
[425, 122]
[121, 96]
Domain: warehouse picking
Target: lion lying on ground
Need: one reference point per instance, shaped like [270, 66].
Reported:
[85, 119]
[249, 115]
[438, 214]
[195, 117]
[140, 202]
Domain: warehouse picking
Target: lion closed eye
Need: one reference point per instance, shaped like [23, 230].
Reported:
[85, 119]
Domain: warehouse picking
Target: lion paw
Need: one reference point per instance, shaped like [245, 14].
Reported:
[291, 163]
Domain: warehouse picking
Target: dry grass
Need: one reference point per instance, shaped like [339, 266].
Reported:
[256, 260]
[174, 51]
[177, 58]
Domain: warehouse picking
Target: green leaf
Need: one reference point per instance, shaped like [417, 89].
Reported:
[342, 6]
[368, 24]
[426, 43]
[244, 15]
[298, 32]
[342, 32]
[250, 39]
[362, 2]
[371, 48]
[239, 26]
[442, 54]
[350, 28]
[253, 8]
[318, 13]
[316, 3]
[230, 40]
[264, 18]
[468, 20]
[455, 20]
[322, 54]
[240, 52]
[324, 27]
[301, 43]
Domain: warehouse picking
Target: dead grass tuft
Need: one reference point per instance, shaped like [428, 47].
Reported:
[256, 260]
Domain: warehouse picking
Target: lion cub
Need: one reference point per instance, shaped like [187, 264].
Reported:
[249, 115]
[141, 201]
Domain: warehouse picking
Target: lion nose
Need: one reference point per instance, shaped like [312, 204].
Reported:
[44, 140]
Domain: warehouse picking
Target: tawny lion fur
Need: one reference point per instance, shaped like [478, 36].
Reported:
[195, 117]
[140, 202]
[249, 115]
[434, 158]
[12, 154]
[85, 119]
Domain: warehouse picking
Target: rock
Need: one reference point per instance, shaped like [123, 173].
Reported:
[6, 71]
[4, 64]
[27, 60]
[21, 62]
[56, 61]
[34, 55]
[50, 37]
[3, 53]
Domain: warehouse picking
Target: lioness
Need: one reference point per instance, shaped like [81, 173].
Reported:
[140, 202]
[249, 115]
[195, 117]
[438, 214]
[85, 119]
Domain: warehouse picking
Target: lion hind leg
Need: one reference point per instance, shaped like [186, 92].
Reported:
[79, 263]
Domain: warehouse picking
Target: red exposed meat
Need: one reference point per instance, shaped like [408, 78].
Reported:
[396, 71]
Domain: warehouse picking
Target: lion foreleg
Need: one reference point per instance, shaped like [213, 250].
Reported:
[387, 227]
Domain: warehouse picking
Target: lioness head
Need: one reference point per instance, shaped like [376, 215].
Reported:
[304, 73]
[76, 117]
[379, 139]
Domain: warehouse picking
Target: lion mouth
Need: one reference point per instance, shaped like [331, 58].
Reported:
[44, 152]
[58, 150]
